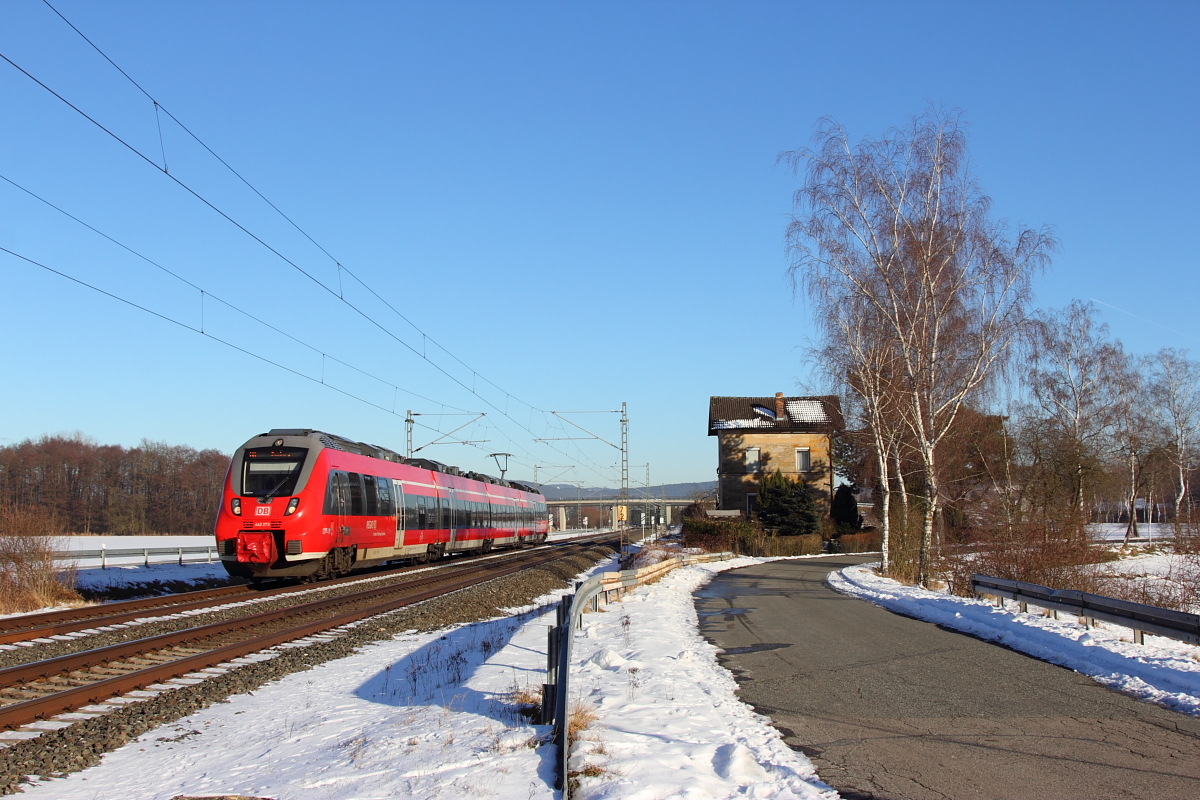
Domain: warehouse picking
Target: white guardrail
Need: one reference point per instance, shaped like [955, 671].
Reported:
[147, 555]
[588, 596]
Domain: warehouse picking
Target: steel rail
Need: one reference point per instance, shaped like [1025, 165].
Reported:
[23, 712]
[51, 623]
[50, 618]
[72, 661]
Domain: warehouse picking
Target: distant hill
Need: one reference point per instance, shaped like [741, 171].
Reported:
[680, 491]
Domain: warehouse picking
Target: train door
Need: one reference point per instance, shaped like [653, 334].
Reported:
[335, 507]
[355, 524]
[398, 509]
[450, 513]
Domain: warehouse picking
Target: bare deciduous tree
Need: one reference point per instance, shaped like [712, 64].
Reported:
[1072, 367]
[1136, 437]
[862, 358]
[1176, 397]
[899, 224]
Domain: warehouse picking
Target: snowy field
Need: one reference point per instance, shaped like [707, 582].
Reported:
[1150, 532]
[129, 571]
[99, 580]
[123, 542]
[1162, 671]
[435, 715]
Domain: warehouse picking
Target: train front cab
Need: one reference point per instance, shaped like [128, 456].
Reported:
[272, 510]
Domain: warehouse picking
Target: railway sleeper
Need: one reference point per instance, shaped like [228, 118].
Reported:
[19, 695]
[67, 680]
[141, 663]
[115, 668]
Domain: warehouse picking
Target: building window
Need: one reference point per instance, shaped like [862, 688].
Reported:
[803, 460]
[751, 459]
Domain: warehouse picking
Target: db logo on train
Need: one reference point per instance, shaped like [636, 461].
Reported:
[262, 511]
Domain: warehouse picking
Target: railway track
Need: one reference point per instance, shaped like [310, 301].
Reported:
[56, 692]
[74, 623]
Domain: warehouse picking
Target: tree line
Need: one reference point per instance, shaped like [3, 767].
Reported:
[85, 487]
[922, 299]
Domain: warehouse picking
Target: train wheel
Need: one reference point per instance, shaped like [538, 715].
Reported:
[486, 547]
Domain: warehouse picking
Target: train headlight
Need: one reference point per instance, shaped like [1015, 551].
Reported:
[293, 504]
[235, 505]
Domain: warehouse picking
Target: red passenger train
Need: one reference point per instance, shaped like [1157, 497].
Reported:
[302, 503]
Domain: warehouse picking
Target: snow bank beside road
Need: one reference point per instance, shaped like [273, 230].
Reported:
[1162, 671]
[669, 723]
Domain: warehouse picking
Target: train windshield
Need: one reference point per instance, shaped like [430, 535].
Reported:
[272, 471]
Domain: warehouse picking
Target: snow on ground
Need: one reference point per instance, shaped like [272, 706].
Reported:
[133, 571]
[669, 722]
[1115, 531]
[1162, 671]
[435, 715]
[96, 579]
[123, 542]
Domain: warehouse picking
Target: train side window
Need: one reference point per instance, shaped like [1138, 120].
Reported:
[356, 494]
[333, 493]
[445, 515]
[422, 512]
[370, 495]
[386, 508]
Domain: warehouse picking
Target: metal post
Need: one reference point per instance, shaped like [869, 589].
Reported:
[1138, 637]
[408, 426]
[146, 555]
[181, 556]
[103, 560]
[624, 456]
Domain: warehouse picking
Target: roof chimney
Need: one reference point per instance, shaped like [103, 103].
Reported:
[780, 414]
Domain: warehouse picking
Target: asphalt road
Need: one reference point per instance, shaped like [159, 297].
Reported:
[891, 707]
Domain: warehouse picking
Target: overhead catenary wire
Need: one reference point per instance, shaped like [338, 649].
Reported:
[217, 339]
[204, 293]
[279, 211]
[425, 337]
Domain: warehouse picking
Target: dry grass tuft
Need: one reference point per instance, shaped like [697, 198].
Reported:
[527, 698]
[28, 577]
[579, 719]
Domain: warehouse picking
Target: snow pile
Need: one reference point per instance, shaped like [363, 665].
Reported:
[1162, 671]
[668, 722]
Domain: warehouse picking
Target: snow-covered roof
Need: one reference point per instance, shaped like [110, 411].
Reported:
[812, 411]
[727, 424]
[779, 413]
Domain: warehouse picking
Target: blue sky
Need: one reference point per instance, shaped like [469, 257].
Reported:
[579, 201]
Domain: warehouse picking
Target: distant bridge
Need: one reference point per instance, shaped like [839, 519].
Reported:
[634, 504]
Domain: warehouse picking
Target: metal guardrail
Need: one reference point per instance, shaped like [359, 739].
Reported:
[561, 635]
[145, 553]
[1141, 619]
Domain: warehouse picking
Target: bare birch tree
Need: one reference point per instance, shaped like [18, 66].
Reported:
[1135, 435]
[900, 224]
[1072, 368]
[1176, 396]
[862, 358]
